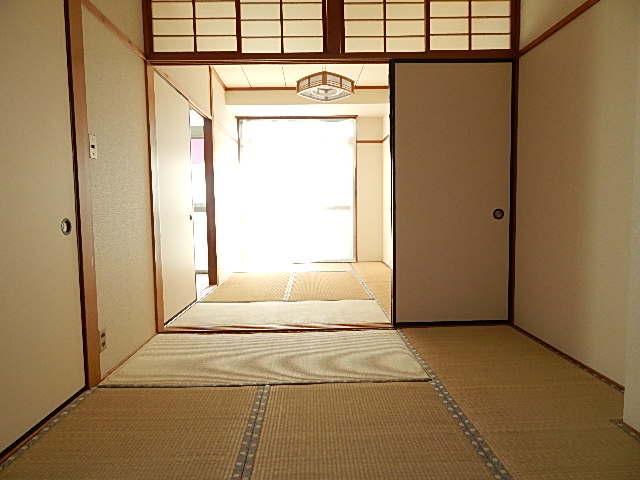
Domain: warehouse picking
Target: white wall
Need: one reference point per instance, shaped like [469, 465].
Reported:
[369, 189]
[387, 181]
[632, 380]
[120, 190]
[537, 16]
[193, 82]
[126, 15]
[226, 174]
[577, 129]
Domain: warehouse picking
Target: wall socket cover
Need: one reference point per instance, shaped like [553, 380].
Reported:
[93, 146]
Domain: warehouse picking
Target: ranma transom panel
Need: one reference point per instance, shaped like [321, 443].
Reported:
[308, 26]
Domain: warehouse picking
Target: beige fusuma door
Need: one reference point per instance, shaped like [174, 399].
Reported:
[173, 137]
[451, 127]
[41, 347]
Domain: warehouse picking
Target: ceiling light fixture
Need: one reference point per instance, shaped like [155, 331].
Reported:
[325, 86]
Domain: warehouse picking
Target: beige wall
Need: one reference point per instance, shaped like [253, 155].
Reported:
[575, 169]
[226, 174]
[387, 218]
[632, 390]
[120, 192]
[369, 189]
[192, 81]
[537, 16]
[41, 359]
[126, 15]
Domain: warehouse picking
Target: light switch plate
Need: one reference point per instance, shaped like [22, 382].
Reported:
[93, 146]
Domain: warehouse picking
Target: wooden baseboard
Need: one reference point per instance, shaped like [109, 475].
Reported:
[35, 430]
[578, 363]
[455, 323]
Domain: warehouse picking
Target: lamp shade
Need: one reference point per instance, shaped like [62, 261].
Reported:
[325, 86]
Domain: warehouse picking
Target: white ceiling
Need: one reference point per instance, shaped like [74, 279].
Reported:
[286, 75]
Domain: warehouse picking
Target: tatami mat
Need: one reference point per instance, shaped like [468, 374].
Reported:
[363, 431]
[382, 293]
[269, 358]
[327, 286]
[342, 312]
[544, 417]
[251, 287]
[142, 434]
[373, 271]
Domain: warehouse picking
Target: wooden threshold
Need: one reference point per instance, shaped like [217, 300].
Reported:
[279, 328]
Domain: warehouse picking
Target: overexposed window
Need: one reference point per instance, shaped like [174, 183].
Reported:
[298, 190]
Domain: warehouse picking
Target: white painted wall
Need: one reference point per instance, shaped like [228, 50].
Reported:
[126, 15]
[387, 216]
[369, 189]
[120, 190]
[192, 81]
[537, 16]
[577, 129]
[632, 377]
[226, 175]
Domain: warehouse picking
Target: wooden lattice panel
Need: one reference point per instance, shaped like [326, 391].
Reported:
[423, 25]
[299, 26]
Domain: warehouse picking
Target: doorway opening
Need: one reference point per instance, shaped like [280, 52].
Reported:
[199, 201]
[302, 204]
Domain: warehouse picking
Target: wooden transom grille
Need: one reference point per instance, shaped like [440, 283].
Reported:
[301, 26]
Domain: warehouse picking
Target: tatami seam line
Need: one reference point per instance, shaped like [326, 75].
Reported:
[364, 285]
[249, 446]
[482, 448]
[289, 287]
[46, 428]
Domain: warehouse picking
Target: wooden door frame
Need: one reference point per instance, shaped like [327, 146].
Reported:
[82, 180]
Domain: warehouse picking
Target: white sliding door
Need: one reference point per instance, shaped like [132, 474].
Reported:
[41, 347]
[173, 137]
[452, 159]
[297, 190]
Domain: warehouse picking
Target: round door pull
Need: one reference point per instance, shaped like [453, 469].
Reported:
[498, 214]
[66, 226]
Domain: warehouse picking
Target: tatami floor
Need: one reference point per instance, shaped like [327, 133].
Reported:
[332, 295]
[497, 405]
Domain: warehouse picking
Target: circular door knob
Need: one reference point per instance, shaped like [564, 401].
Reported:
[498, 214]
[66, 226]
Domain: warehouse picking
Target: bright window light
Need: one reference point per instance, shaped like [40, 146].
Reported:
[297, 179]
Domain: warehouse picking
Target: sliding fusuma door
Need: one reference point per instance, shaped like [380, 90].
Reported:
[451, 151]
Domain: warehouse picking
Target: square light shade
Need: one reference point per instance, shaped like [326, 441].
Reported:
[325, 86]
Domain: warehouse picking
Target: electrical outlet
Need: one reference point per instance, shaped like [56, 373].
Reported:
[93, 146]
[103, 340]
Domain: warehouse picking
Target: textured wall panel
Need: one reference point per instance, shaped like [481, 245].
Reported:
[116, 101]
